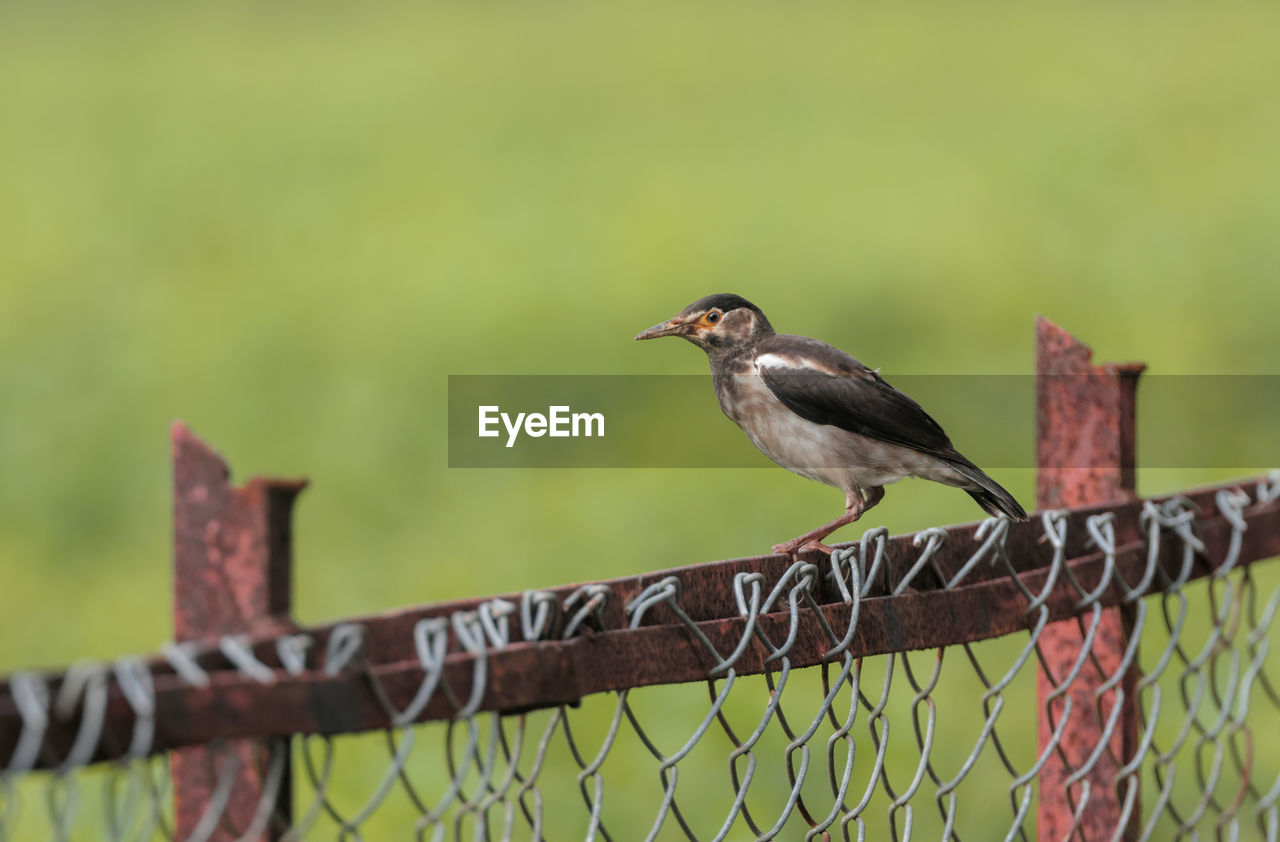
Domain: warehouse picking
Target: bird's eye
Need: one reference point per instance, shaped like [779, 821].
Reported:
[713, 317]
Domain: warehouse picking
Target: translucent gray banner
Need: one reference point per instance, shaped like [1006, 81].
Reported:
[674, 421]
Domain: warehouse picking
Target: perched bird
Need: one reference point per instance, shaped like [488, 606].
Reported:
[817, 411]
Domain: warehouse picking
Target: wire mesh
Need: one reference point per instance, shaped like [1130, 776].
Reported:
[946, 743]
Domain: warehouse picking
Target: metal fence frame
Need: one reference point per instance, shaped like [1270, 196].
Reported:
[234, 678]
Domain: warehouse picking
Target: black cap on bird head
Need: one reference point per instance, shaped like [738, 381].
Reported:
[723, 301]
[717, 321]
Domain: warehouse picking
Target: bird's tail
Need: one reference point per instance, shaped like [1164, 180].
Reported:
[989, 494]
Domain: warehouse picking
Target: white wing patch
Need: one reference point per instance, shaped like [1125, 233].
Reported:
[796, 364]
[774, 361]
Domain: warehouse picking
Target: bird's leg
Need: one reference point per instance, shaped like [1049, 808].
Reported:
[855, 504]
[813, 540]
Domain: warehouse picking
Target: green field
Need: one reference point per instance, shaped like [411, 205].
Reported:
[287, 225]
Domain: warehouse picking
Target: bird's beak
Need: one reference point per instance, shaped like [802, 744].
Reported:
[671, 327]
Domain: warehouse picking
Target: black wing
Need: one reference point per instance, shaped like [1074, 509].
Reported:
[824, 385]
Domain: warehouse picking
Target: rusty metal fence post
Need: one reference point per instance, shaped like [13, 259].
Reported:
[232, 560]
[1085, 453]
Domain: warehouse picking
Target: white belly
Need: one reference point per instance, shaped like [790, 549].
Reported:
[819, 452]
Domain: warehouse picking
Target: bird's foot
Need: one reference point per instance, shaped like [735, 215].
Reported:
[817, 546]
[798, 545]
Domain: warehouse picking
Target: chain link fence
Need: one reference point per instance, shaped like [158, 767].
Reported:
[882, 693]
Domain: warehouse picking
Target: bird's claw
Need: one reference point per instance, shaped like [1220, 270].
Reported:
[795, 547]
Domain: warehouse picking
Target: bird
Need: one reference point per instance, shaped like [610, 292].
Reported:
[818, 412]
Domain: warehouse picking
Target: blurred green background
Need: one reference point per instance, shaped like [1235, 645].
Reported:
[286, 224]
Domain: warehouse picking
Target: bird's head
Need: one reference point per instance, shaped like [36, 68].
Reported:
[721, 321]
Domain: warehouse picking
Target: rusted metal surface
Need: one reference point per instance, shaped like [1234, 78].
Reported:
[540, 674]
[231, 575]
[1085, 453]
